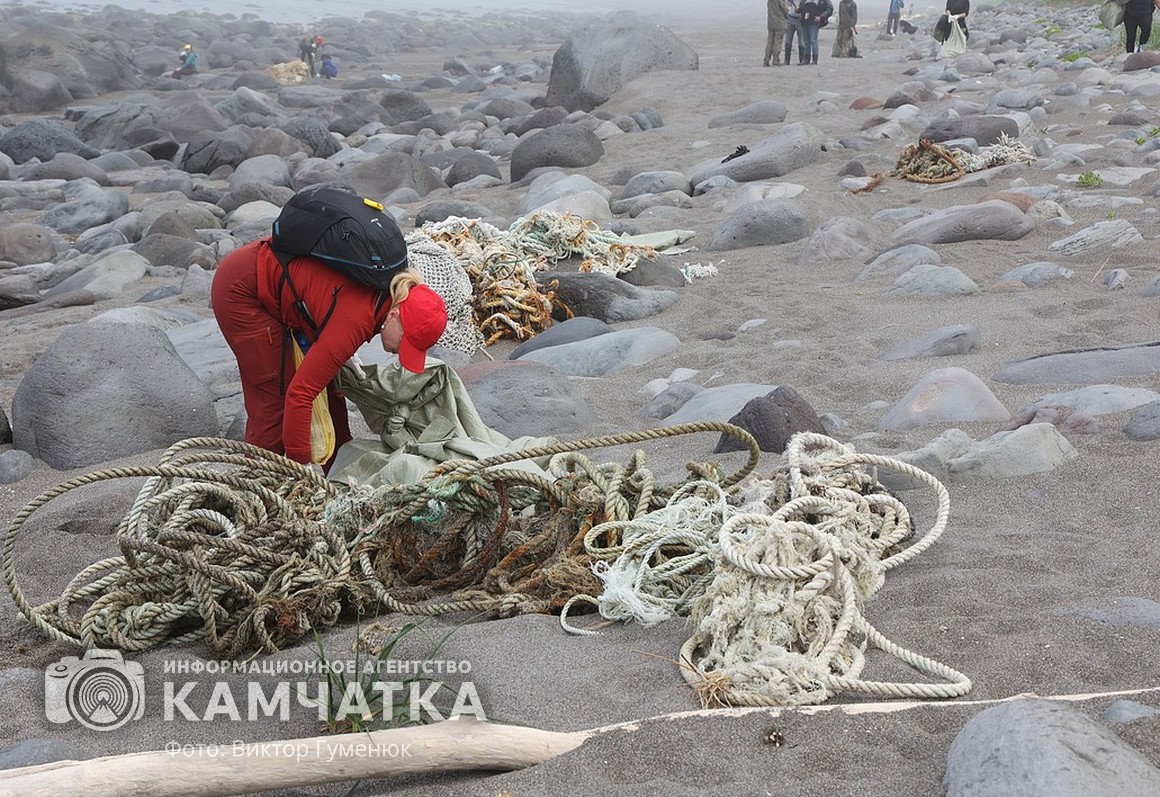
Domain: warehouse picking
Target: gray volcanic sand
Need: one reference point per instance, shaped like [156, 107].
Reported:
[990, 599]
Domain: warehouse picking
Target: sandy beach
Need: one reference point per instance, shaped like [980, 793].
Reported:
[1041, 583]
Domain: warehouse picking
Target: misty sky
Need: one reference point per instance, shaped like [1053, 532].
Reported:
[309, 10]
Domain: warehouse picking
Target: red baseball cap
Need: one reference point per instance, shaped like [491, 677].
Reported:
[423, 317]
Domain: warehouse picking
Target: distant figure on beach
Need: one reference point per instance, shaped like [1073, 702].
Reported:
[957, 11]
[186, 62]
[794, 28]
[307, 49]
[815, 14]
[777, 17]
[892, 16]
[844, 46]
[329, 69]
[1138, 17]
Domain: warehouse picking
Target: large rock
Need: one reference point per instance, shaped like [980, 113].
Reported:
[605, 298]
[23, 244]
[985, 129]
[993, 219]
[569, 146]
[42, 139]
[601, 58]
[378, 176]
[790, 148]
[87, 205]
[1044, 748]
[944, 396]
[87, 62]
[768, 221]
[103, 391]
[1085, 366]
[525, 398]
[607, 353]
[772, 420]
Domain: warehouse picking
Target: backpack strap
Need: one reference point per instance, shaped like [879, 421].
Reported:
[299, 305]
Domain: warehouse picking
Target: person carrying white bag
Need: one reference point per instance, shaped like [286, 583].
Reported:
[954, 29]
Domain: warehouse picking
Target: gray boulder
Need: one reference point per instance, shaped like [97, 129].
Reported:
[1034, 448]
[762, 112]
[86, 205]
[210, 150]
[567, 146]
[1044, 748]
[399, 105]
[470, 166]
[790, 148]
[767, 221]
[67, 166]
[270, 170]
[23, 243]
[1144, 423]
[603, 57]
[932, 281]
[838, 238]
[717, 403]
[568, 331]
[656, 183]
[993, 219]
[898, 260]
[1085, 366]
[607, 353]
[103, 391]
[382, 174]
[104, 278]
[944, 396]
[42, 139]
[35, 91]
[311, 132]
[943, 342]
[525, 398]
[605, 298]
[985, 129]
[1038, 274]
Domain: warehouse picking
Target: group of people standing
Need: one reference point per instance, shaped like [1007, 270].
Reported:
[803, 19]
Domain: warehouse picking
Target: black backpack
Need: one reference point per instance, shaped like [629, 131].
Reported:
[348, 233]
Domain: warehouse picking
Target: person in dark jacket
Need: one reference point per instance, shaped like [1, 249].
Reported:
[814, 15]
[1138, 19]
[956, 11]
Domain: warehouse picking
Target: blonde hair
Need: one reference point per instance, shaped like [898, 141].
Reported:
[402, 283]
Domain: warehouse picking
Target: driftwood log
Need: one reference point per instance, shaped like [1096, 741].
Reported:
[453, 745]
[228, 769]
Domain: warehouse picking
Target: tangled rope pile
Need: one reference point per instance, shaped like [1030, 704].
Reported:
[774, 576]
[501, 265]
[237, 557]
[928, 162]
[245, 549]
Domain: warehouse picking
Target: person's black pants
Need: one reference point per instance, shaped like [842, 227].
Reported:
[1132, 24]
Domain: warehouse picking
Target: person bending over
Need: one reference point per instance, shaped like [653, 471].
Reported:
[257, 315]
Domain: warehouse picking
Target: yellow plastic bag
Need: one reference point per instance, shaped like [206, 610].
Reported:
[321, 425]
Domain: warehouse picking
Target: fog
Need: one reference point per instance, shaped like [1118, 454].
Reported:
[305, 11]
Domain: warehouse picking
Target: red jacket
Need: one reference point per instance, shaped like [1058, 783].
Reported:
[352, 322]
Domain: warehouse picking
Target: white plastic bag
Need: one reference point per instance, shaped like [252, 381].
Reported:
[956, 42]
